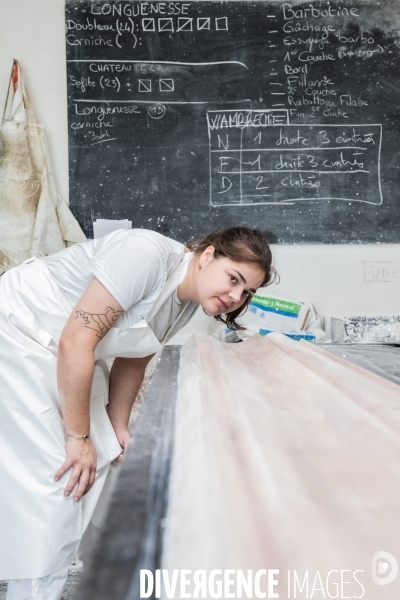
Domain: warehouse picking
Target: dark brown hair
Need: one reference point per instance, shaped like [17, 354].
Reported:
[239, 244]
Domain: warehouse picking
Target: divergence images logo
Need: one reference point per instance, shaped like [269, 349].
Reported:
[381, 561]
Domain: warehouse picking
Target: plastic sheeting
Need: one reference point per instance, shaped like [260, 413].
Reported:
[382, 360]
[286, 458]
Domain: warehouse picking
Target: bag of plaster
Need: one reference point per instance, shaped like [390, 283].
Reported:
[268, 313]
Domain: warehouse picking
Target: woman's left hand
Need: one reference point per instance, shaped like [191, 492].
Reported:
[123, 436]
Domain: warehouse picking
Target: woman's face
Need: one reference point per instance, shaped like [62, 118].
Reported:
[223, 285]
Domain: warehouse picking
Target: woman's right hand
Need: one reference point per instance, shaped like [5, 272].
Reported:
[82, 459]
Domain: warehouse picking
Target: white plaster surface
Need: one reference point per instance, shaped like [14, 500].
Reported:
[331, 276]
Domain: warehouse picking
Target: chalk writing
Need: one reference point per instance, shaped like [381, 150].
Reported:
[382, 271]
[195, 107]
[294, 163]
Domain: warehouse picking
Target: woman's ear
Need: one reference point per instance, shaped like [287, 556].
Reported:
[206, 256]
[209, 252]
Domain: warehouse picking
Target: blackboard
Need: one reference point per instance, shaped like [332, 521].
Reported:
[186, 117]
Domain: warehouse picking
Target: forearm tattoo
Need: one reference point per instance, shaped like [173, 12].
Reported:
[100, 323]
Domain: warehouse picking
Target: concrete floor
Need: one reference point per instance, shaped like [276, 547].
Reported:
[3, 589]
[74, 575]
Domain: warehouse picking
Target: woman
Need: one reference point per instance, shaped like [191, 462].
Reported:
[62, 421]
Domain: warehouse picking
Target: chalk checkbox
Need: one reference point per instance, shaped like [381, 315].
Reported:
[221, 23]
[185, 24]
[167, 85]
[165, 25]
[144, 85]
[203, 23]
[148, 25]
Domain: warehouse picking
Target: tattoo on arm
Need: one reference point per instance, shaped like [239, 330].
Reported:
[100, 323]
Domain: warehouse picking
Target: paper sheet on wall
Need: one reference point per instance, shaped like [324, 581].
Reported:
[102, 227]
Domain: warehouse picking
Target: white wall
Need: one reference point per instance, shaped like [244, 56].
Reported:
[336, 278]
[33, 32]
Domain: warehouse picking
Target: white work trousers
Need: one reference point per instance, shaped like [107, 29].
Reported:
[44, 588]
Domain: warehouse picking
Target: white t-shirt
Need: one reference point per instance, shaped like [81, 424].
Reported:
[133, 265]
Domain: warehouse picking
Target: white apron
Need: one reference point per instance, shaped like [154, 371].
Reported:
[33, 218]
[40, 529]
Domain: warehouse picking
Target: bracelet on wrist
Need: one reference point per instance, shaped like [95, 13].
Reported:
[79, 437]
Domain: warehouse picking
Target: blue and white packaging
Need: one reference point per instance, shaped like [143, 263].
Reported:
[268, 313]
